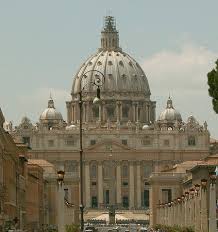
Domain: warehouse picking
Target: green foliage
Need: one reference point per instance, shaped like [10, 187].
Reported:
[212, 81]
[174, 228]
[72, 228]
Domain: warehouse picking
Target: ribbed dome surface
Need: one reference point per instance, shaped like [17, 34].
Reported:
[51, 114]
[122, 73]
[170, 114]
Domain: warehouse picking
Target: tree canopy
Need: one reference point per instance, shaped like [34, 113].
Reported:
[212, 81]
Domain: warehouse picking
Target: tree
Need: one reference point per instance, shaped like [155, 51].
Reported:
[212, 81]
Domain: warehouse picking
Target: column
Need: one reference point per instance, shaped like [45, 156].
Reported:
[204, 217]
[103, 112]
[148, 113]
[121, 111]
[138, 179]
[212, 208]
[100, 185]
[131, 185]
[118, 177]
[87, 111]
[137, 111]
[68, 113]
[87, 185]
[99, 113]
[133, 112]
[118, 110]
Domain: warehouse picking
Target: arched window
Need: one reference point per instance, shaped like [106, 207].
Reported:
[110, 112]
[106, 170]
[93, 171]
[125, 171]
[125, 112]
[147, 170]
[95, 112]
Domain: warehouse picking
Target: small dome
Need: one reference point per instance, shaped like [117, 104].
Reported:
[71, 127]
[170, 114]
[51, 114]
[192, 119]
[145, 127]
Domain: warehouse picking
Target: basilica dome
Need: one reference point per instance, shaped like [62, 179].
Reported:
[122, 73]
[170, 114]
[125, 92]
[50, 114]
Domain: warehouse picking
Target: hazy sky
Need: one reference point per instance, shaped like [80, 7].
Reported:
[43, 43]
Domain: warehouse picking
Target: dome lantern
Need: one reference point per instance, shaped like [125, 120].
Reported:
[109, 35]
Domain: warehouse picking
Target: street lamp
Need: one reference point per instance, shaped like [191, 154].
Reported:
[212, 177]
[204, 184]
[98, 81]
[60, 177]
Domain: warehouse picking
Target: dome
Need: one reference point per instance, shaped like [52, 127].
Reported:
[51, 114]
[170, 114]
[123, 86]
[71, 127]
[145, 127]
[122, 73]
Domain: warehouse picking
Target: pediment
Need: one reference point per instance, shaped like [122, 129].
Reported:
[107, 146]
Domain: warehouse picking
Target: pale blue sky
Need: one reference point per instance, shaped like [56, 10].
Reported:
[43, 43]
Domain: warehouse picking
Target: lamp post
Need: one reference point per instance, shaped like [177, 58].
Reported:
[98, 82]
[60, 180]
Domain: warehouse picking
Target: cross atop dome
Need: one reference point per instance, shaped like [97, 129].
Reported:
[110, 35]
[50, 102]
[109, 24]
[169, 103]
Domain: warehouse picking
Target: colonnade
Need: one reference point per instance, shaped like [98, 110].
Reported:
[196, 208]
[133, 112]
[134, 185]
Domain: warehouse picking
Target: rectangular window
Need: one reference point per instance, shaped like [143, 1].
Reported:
[94, 202]
[26, 140]
[166, 195]
[125, 202]
[125, 183]
[124, 141]
[146, 198]
[50, 143]
[93, 183]
[70, 142]
[146, 142]
[92, 142]
[107, 200]
[166, 142]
